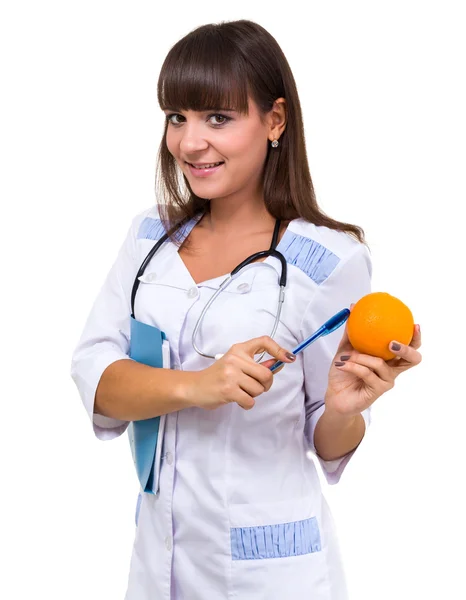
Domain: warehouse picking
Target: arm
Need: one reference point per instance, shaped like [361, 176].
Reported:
[130, 391]
[331, 437]
[335, 435]
[114, 388]
[105, 337]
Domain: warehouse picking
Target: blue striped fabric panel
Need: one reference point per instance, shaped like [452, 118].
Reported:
[308, 255]
[152, 229]
[275, 541]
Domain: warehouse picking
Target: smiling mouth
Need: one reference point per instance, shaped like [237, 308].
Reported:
[209, 166]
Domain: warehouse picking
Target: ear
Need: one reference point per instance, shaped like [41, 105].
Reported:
[277, 119]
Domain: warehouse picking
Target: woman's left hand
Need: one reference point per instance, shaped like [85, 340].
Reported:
[361, 379]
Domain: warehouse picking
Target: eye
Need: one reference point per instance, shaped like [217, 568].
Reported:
[169, 118]
[224, 119]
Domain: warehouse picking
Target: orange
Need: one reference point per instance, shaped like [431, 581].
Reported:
[377, 319]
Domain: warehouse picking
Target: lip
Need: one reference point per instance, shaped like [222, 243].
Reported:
[203, 172]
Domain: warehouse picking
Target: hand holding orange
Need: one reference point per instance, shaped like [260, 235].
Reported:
[377, 319]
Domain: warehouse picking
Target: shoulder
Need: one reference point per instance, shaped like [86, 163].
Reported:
[147, 224]
[320, 252]
[339, 243]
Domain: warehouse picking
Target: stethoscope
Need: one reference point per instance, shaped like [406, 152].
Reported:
[272, 251]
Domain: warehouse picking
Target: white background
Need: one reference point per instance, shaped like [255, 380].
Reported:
[382, 91]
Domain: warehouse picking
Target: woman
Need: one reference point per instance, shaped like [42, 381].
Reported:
[239, 511]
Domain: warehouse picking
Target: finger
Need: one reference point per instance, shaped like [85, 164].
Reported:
[408, 353]
[371, 379]
[345, 345]
[251, 386]
[260, 372]
[378, 365]
[416, 341]
[269, 363]
[243, 364]
[265, 343]
[244, 400]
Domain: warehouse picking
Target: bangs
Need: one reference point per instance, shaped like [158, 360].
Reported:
[203, 72]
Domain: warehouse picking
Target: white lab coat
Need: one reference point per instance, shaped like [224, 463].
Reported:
[240, 512]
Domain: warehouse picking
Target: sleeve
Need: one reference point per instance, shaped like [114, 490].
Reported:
[106, 334]
[349, 281]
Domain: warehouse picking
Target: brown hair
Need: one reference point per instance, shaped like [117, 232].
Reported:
[220, 65]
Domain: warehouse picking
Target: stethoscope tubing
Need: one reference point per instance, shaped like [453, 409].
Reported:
[254, 257]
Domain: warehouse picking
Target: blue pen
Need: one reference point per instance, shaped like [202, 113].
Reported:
[333, 323]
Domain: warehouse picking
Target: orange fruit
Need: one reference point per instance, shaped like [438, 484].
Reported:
[377, 319]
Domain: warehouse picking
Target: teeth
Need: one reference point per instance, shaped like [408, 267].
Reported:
[207, 166]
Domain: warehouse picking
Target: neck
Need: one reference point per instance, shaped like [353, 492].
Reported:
[226, 216]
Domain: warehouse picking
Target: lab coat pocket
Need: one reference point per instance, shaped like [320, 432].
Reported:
[277, 551]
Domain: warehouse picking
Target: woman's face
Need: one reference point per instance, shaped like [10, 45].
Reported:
[238, 141]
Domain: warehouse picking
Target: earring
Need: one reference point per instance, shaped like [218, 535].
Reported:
[274, 144]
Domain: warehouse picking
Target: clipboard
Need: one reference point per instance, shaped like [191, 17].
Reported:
[148, 346]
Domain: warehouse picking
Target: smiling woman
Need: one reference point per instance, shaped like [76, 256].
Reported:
[229, 96]
[235, 508]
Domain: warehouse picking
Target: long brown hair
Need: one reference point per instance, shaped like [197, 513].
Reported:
[220, 65]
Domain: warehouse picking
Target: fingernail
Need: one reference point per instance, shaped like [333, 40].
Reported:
[345, 357]
[290, 356]
[340, 364]
[395, 346]
[419, 329]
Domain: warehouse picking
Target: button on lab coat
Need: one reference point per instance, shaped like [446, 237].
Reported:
[240, 512]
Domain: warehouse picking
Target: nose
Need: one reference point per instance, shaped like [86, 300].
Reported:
[192, 137]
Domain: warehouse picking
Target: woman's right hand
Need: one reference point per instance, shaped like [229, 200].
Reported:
[236, 377]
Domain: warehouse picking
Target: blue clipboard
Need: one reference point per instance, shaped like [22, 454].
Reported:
[146, 347]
